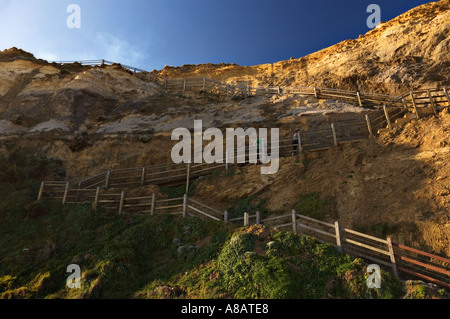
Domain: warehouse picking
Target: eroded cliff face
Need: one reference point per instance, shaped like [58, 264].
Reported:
[407, 52]
[104, 117]
[34, 92]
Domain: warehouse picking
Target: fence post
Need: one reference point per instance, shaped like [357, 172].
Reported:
[225, 216]
[392, 256]
[184, 205]
[258, 218]
[333, 129]
[66, 191]
[338, 236]
[188, 173]
[107, 179]
[315, 93]
[204, 84]
[358, 95]
[97, 193]
[294, 221]
[228, 90]
[78, 192]
[432, 103]
[184, 84]
[369, 126]
[226, 160]
[405, 105]
[122, 199]
[386, 114]
[248, 89]
[446, 94]
[299, 140]
[246, 219]
[414, 104]
[41, 191]
[152, 211]
[143, 176]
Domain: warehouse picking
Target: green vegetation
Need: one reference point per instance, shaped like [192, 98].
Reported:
[314, 206]
[256, 264]
[157, 256]
[249, 204]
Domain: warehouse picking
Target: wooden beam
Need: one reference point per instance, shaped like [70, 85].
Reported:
[122, 199]
[108, 175]
[66, 191]
[337, 229]
[414, 104]
[184, 205]
[95, 203]
[386, 114]
[299, 142]
[358, 95]
[447, 95]
[188, 175]
[333, 129]
[392, 256]
[143, 176]
[369, 126]
[294, 221]
[41, 191]
[433, 106]
[152, 211]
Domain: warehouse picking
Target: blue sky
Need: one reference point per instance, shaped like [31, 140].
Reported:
[150, 34]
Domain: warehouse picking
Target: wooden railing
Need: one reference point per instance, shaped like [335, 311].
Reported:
[408, 260]
[100, 63]
[205, 84]
[396, 256]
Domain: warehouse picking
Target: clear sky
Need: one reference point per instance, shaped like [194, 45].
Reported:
[149, 34]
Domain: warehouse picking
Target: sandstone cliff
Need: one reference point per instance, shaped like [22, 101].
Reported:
[407, 52]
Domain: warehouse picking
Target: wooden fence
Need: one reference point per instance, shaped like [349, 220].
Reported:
[100, 62]
[97, 189]
[321, 137]
[396, 256]
[205, 84]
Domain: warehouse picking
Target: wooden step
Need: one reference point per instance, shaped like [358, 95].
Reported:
[402, 121]
[425, 111]
[410, 116]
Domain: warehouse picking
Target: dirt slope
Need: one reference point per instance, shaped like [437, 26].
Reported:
[396, 184]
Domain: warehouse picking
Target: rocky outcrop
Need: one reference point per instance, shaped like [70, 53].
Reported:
[33, 91]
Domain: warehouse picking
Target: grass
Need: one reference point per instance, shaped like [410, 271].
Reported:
[314, 206]
[142, 256]
[284, 266]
